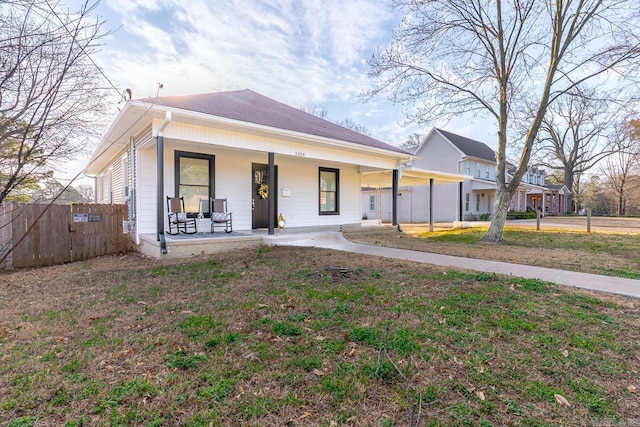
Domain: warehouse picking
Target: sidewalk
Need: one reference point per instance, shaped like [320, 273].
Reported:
[335, 240]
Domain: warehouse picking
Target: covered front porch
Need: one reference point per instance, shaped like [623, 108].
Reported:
[548, 200]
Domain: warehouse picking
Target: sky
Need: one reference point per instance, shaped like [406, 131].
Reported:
[300, 52]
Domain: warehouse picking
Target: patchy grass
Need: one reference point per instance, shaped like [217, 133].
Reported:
[283, 337]
[598, 253]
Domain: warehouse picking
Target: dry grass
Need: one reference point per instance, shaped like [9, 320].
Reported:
[280, 336]
[599, 253]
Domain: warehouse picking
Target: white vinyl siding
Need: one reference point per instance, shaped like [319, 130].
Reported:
[235, 140]
[233, 182]
[116, 183]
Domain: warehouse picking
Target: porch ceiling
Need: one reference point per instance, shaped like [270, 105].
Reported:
[480, 185]
[408, 177]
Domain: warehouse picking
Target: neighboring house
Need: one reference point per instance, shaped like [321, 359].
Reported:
[473, 161]
[51, 191]
[471, 199]
[225, 145]
[536, 194]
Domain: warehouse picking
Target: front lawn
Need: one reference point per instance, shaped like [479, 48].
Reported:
[598, 253]
[303, 336]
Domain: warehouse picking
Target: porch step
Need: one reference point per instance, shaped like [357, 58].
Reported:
[184, 248]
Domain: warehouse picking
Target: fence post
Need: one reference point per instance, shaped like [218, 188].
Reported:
[537, 220]
[6, 235]
[588, 220]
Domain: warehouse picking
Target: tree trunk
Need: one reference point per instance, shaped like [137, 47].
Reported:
[568, 181]
[494, 234]
[620, 204]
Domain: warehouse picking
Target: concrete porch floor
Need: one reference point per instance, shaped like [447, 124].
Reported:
[188, 245]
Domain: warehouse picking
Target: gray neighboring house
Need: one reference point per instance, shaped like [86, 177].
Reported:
[471, 199]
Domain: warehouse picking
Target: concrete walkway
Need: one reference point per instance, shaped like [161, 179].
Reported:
[335, 240]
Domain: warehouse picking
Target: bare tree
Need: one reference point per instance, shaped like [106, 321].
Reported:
[595, 196]
[87, 193]
[621, 168]
[510, 60]
[51, 91]
[322, 113]
[414, 142]
[351, 124]
[314, 110]
[574, 135]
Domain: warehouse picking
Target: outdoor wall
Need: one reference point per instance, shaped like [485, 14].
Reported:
[438, 155]
[233, 181]
[285, 145]
[146, 191]
[109, 183]
[413, 203]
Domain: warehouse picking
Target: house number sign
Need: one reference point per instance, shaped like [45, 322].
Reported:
[300, 153]
[83, 217]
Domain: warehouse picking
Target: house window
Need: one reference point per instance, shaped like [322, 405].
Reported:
[478, 170]
[486, 172]
[466, 202]
[477, 203]
[329, 191]
[194, 175]
[372, 203]
[467, 167]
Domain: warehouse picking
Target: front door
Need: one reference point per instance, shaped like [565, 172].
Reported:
[260, 193]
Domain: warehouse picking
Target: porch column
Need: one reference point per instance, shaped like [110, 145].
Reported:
[460, 201]
[394, 197]
[430, 204]
[273, 193]
[544, 203]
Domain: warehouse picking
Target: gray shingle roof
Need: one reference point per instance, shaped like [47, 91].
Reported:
[469, 146]
[249, 106]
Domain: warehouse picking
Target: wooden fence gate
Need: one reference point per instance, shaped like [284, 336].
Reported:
[33, 235]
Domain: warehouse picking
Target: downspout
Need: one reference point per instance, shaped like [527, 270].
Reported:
[160, 181]
[132, 180]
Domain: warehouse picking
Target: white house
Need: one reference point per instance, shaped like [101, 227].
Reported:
[228, 145]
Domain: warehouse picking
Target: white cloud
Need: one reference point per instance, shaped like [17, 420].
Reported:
[297, 52]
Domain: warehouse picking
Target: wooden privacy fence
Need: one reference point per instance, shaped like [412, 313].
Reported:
[63, 233]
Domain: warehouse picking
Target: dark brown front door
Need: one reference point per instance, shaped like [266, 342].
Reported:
[260, 193]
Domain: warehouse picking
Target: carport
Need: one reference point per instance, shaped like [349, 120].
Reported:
[409, 176]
